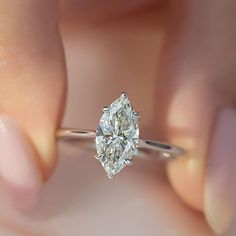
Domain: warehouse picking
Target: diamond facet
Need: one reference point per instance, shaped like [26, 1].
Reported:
[117, 135]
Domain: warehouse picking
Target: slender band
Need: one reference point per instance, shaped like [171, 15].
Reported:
[167, 150]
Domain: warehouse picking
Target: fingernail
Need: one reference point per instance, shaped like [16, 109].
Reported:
[220, 187]
[19, 170]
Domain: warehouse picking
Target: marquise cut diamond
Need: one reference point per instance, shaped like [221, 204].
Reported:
[117, 135]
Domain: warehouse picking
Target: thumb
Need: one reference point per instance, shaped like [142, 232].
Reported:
[32, 73]
[198, 117]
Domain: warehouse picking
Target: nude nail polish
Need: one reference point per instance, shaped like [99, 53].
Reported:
[19, 169]
[220, 187]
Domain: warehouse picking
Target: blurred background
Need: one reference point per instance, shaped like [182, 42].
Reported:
[110, 47]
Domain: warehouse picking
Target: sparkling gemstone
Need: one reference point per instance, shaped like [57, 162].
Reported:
[117, 135]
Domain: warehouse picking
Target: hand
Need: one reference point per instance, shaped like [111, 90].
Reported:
[190, 98]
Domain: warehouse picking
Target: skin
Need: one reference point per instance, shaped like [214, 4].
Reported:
[190, 68]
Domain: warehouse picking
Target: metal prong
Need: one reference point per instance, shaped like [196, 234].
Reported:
[105, 109]
[136, 114]
[98, 156]
[124, 95]
[128, 162]
[110, 175]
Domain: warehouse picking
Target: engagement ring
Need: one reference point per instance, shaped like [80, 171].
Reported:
[117, 137]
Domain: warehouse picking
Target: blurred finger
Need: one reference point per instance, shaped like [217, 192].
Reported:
[32, 92]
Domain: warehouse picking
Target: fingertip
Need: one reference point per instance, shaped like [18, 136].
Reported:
[19, 167]
[190, 119]
[33, 78]
[220, 190]
[24, 198]
[187, 178]
[47, 149]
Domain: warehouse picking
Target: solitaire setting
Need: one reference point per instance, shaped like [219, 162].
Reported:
[117, 135]
[117, 138]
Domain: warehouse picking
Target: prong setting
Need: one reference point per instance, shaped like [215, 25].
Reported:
[109, 175]
[137, 114]
[124, 95]
[105, 109]
[98, 156]
[129, 162]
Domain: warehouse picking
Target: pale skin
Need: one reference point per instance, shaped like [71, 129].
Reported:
[195, 78]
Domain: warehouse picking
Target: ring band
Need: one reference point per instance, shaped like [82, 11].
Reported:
[169, 151]
[117, 137]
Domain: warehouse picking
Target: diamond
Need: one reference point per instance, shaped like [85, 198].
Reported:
[117, 135]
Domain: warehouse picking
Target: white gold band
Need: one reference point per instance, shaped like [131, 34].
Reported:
[167, 150]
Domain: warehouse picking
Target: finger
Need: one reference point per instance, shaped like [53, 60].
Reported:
[198, 86]
[189, 116]
[32, 89]
[220, 189]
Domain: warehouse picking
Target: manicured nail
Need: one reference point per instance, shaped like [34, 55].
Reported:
[19, 170]
[220, 188]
